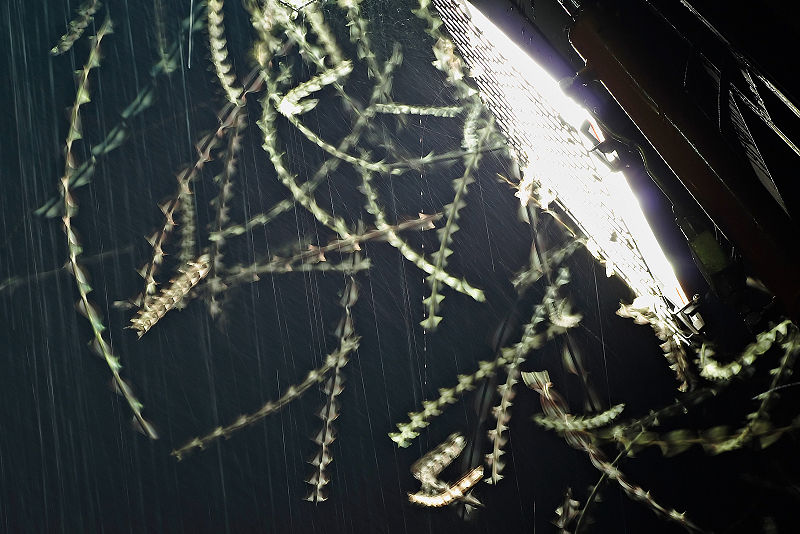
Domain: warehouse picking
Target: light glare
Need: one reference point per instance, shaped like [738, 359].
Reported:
[544, 125]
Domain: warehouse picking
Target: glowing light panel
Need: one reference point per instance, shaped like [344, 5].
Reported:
[544, 127]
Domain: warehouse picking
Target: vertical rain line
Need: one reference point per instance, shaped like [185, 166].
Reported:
[186, 105]
[411, 340]
[285, 459]
[191, 25]
[602, 336]
[385, 390]
[311, 282]
[486, 224]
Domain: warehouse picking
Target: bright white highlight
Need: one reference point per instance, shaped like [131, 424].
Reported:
[544, 127]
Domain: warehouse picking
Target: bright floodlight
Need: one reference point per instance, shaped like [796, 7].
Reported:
[543, 126]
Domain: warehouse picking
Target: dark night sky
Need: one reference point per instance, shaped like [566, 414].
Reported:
[69, 460]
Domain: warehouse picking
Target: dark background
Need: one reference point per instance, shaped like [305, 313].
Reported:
[69, 460]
